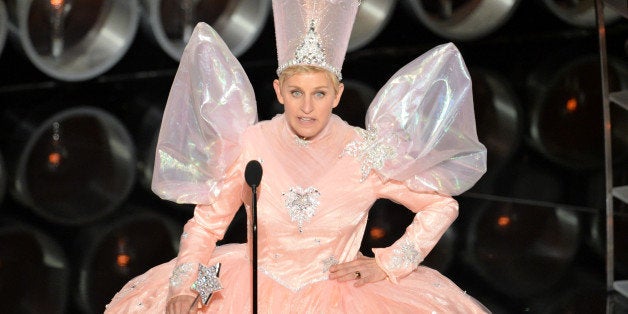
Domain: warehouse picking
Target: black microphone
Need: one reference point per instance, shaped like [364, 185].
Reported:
[253, 173]
[253, 176]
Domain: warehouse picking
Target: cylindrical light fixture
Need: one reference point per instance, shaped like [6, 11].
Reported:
[580, 13]
[521, 250]
[371, 19]
[143, 120]
[463, 20]
[74, 40]
[565, 118]
[355, 101]
[499, 117]
[239, 23]
[34, 271]
[72, 167]
[113, 252]
[147, 146]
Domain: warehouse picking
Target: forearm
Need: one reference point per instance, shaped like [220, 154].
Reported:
[198, 242]
[434, 214]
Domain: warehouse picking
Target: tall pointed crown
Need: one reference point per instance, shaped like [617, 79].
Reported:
[313, 32]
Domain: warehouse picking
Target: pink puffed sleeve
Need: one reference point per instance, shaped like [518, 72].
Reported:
[424, 119]
[434, 214]
[211, 103]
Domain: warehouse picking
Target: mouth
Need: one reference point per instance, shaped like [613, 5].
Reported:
[306, 119]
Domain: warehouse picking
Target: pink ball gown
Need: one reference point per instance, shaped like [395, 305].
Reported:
[420, 147]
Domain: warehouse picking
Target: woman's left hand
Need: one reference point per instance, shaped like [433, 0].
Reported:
[363, 269]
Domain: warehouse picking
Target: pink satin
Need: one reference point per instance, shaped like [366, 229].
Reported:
[292, 269]
[297, 247]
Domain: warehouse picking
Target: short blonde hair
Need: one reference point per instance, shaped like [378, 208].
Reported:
[297, 69]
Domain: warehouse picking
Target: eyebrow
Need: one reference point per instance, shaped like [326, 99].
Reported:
[317, 87]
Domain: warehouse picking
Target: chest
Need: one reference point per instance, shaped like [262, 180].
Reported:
[317, 194]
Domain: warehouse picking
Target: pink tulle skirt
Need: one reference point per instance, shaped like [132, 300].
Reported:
[423, 291]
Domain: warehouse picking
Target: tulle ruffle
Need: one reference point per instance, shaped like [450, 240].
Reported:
[211, 103]
[425, 114]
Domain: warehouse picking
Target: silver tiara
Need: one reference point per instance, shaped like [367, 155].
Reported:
[310, 52]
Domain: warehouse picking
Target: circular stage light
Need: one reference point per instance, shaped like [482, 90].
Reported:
[463, 20]
[73, 167]
[74, 40]
[239, 23]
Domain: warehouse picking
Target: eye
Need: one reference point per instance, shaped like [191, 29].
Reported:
[296, 93]
[320, 94]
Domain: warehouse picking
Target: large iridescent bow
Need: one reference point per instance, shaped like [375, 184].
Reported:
[424, 113]
[211, 103]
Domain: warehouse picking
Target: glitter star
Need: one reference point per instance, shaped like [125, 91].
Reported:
[372, 153]
[207, 282]
[301, 204]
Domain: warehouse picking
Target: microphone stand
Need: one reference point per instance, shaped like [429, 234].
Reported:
[253, 176]
[254, 227]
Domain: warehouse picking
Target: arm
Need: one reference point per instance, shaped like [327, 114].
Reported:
[434, 214]
[200, 234]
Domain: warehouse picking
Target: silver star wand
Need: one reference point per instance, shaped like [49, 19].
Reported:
[206, 283]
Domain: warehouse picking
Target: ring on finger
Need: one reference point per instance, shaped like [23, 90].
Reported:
[357, 275]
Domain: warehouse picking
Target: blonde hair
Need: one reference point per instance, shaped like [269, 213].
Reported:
[297, 69]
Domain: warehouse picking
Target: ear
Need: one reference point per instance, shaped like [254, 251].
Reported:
[278, 91]
[341, 88]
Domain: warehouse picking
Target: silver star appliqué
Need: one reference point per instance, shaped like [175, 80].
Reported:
[207, 282]
[406, 256]
[370, 151]
[301, 204]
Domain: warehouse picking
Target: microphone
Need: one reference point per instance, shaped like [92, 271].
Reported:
[253, 177]
[253, 174]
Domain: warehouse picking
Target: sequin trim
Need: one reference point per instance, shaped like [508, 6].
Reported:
[329, 262]
[301, 142]
[311, 52]
[371, 152]
[181, 273]
[301, 204]
[405, 256]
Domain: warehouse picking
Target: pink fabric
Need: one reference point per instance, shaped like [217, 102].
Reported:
[333, 179]
[293, 263]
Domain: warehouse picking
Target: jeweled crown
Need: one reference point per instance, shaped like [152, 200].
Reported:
[313, 32]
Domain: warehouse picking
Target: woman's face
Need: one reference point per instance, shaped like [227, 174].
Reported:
[308, 99]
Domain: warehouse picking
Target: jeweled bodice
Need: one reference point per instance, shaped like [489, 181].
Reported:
[308, 218]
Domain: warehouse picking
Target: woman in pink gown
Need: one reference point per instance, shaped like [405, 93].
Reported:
[320, 178]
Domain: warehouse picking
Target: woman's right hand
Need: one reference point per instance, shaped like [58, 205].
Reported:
[181, 305]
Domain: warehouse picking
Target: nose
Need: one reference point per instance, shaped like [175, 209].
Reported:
[307, 106]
